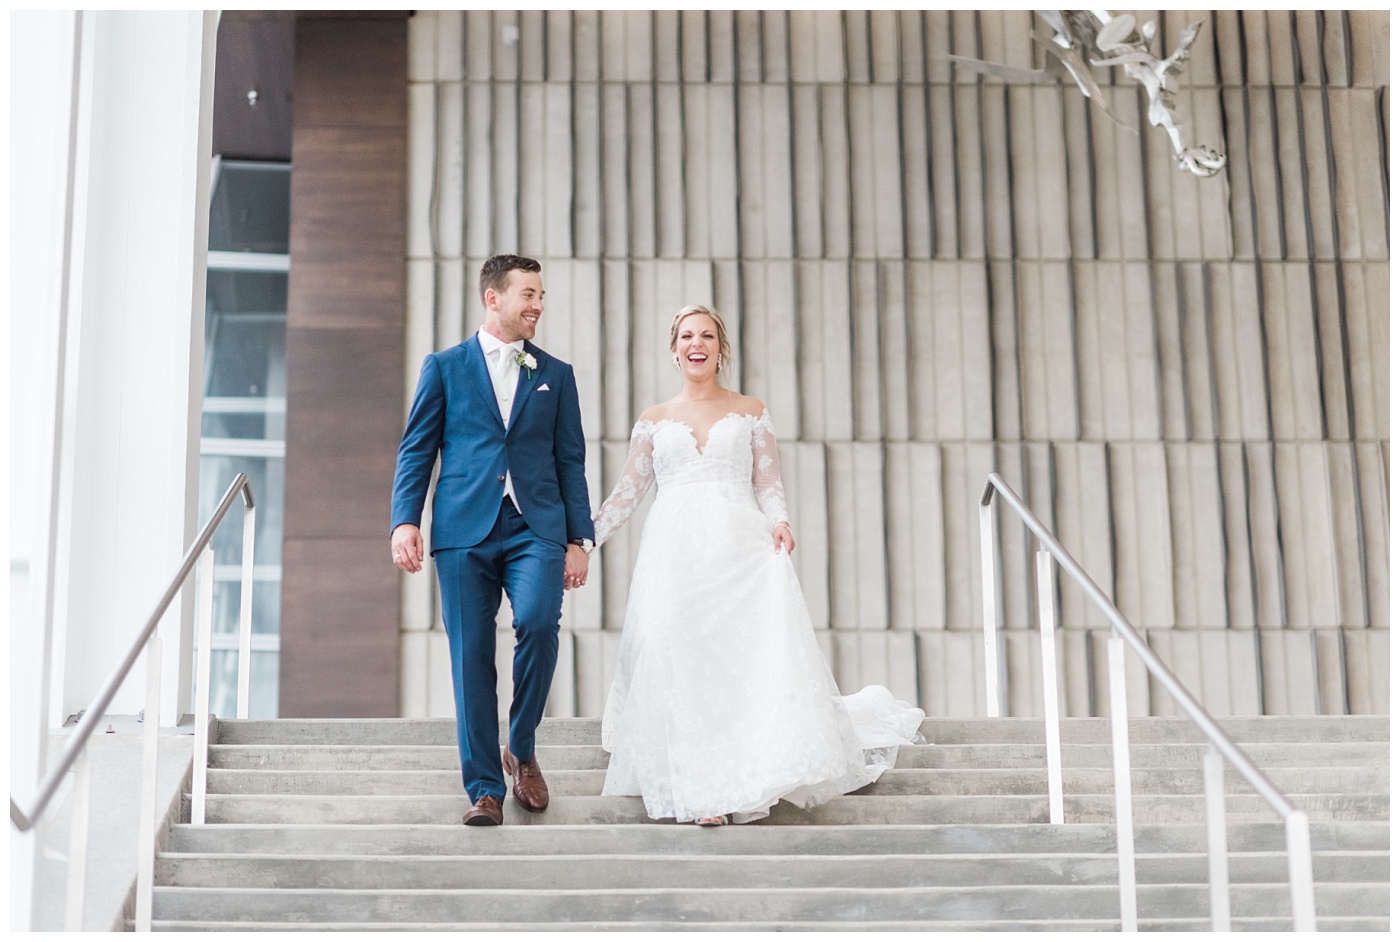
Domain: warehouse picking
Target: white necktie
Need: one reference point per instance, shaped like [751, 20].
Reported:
[504, 380]
[505, 395]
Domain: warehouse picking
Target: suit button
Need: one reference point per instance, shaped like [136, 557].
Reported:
[500, 477]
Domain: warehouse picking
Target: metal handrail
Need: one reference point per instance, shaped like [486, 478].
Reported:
[74, 754]
[98, 708]
[1220, 743]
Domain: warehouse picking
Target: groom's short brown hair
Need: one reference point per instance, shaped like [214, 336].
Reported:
[498, 268]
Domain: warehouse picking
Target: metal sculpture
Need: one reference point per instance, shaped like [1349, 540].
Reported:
[1077, 34]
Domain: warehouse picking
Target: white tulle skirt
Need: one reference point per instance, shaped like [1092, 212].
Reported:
[722, 702]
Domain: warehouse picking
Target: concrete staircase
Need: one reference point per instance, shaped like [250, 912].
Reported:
[354, 824]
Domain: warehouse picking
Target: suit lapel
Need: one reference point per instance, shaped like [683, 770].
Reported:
[481, 375]
[526, 382]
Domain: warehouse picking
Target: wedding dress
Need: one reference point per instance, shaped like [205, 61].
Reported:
[722, 702]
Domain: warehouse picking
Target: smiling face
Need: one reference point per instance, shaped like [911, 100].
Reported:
[697, 345]
[513, 312]
[699, 342]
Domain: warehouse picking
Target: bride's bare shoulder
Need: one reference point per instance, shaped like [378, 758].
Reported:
[661, 411]
[749, 405]
[654, 413]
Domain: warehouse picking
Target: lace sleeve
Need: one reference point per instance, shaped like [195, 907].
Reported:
[767, 477]
[631, 488]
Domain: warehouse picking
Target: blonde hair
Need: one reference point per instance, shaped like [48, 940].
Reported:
[724, 356]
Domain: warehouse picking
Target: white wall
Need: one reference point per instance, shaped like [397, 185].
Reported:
[43, 53]
[135, 354]
[109, 158]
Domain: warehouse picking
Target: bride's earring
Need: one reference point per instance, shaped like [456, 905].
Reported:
[676, 362]
[719, 364]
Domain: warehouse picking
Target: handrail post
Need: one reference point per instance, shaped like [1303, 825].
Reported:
[1301, 887]
[30, 821]
[202, 684]
[1300, 875]
[78, 842]
[989, 607]
[1122, 784]
[245, 613]
[1050, 687]
[1219, 863]
[150, 770]
[97, 708]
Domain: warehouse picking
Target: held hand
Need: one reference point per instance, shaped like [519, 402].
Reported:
[406, 544]
[782, 539]
[575, 567]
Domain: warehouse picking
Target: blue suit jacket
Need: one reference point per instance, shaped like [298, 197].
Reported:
[454, 413]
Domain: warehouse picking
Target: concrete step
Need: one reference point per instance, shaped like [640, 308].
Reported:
[353, 825]
[641, 871]
[848, 809]
[1256, 729]
[452, 839]
[942, 731]
[1265, 924]
[834, 905]
[1143, 756]
[1342, 779]
[1015, 755]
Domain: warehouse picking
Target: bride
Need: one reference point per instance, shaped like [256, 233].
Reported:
[722, 703]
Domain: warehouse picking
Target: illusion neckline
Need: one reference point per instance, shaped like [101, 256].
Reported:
[690, 430]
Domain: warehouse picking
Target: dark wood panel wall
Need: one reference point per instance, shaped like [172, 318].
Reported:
[255, 54]
[345, 365]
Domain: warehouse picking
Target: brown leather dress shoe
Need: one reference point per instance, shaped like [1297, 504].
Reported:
[485, 813]
[529, 788]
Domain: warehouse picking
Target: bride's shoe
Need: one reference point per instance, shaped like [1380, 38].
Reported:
[713, 822]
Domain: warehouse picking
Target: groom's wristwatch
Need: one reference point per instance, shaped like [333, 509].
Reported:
[583, 543]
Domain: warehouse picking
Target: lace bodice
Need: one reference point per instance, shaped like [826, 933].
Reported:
[740, 453]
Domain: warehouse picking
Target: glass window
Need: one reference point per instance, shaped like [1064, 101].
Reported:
[250, 208]
[262, 685]
[265, 474]
[244, 423]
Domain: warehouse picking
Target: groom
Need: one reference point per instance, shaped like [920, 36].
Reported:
[510, 512]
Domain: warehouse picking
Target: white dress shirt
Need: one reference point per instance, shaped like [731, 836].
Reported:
[505, 373]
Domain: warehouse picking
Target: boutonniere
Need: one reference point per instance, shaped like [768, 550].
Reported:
[526, 361]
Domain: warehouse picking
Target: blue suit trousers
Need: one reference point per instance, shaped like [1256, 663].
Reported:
[531, 571]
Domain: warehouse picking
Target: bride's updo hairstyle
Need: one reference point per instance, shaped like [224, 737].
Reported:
[720, 331]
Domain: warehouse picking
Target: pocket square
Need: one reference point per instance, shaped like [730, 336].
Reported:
[544, 387]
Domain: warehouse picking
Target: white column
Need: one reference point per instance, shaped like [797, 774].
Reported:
[134, 357]
[43, 58]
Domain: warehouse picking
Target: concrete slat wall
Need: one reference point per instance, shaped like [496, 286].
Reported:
[930, 276]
